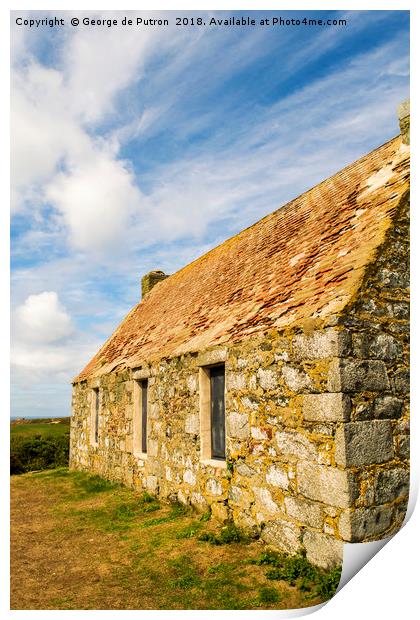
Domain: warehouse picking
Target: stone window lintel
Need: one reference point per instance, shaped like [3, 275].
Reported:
[212, 357]
[141, 373]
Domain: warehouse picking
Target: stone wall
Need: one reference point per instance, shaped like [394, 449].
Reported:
[316, 424]
[374, 443]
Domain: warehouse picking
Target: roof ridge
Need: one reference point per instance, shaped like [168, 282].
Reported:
[283, 206]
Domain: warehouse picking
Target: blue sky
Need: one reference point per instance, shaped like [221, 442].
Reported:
[141, 149]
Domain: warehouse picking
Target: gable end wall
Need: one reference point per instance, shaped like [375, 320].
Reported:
[374, 443]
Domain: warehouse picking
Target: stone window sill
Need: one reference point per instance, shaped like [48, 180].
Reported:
[214, 463]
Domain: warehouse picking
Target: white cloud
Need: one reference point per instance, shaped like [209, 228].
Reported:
[36, 136]
[47, 351]
[100, 63]
[53, 110]
[42, 319]
[40, 358]
[96, 192]
[96, 199]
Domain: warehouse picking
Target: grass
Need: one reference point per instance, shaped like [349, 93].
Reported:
[296, 570]
[44, 428]
[39, 444]
[268, 595]
[227, 535]
[99, 545]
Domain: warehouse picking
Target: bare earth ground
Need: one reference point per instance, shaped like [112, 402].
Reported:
[80, 543]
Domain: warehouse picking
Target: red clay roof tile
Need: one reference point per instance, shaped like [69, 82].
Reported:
[305, 260]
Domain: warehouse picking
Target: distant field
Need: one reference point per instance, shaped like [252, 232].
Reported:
[39, 444]
[44, 427]
[79, 542]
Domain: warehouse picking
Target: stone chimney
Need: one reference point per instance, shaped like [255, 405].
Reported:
[149, 280]
[404, 119]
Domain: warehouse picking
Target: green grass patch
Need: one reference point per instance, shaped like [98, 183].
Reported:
[176, 511]
[122, 513]
[297, 570]
[44, 428]
[223, 570]
[179, 510]
[186, 575]
[226, 536]
[328, 583]
[90, 485]
[223, 585]
[268, 595]
[190, 531]
[157, 521]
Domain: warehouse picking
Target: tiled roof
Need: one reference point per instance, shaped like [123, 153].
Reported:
[304, 260]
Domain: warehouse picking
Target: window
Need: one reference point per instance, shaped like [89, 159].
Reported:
[217, 414]
[212, 414]
[140, 417]
[95, 416]
[143, 385]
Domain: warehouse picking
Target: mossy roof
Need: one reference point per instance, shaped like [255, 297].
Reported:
[304, 261]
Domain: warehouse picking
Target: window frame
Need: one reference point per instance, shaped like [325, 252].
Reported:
[95, 414]
[140, 417]
[206, 445]
[214, 413]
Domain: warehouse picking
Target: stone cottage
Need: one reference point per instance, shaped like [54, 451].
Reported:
[267, 381]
